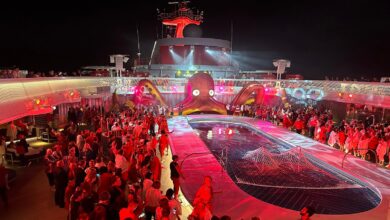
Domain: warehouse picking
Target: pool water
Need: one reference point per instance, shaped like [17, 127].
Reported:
[282, 174]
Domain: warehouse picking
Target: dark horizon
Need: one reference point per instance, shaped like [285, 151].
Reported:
[344, 38]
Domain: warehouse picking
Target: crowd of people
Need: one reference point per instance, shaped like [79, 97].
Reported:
[365, 138]
[112, 169]
[109, 166]
[10, 73]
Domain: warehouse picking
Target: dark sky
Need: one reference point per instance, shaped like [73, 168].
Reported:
[319, 37]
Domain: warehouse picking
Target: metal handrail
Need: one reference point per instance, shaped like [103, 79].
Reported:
[189, 155]
[175, 14]
[345, 156]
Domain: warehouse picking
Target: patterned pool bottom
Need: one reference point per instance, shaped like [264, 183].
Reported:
[324, 201]
[281, 174]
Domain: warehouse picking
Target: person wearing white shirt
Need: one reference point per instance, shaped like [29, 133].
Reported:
[80, 141]
[121, 162]
[152, 199]
[146, 184]
[116, 127]
[333, 138]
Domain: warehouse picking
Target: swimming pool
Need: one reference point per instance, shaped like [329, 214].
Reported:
[281, 174]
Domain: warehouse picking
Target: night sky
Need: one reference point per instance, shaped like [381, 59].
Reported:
[339, 38]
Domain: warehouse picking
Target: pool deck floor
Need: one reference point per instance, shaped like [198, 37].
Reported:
[230, 200]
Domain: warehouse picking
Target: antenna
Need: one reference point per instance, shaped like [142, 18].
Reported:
[139, 46]
[231, 36]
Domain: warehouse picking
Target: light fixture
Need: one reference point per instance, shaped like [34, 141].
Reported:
[211, 92]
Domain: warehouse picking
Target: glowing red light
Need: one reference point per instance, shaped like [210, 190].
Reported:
[180, 23]
[350, 95]
[230, 131]
[340, 94]
[266, 89]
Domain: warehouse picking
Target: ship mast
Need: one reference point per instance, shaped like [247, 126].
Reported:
[179, 18]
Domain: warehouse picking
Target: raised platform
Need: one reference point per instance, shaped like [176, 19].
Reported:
[231, 200]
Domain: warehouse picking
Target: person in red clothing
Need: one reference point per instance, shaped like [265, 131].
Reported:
[128, 148]
[372, 145]
[203, 200]
[363, 145]
[105, 181]
[373, 142]
[155, 167]
[381, 150]
[298, 125]
[153, 142]
[329, 128]
[306, 213]
[312, 124]
[342, 138]
[163, 126]
[286, 121]
[163, 143]
[355, 141]
[321, 133]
